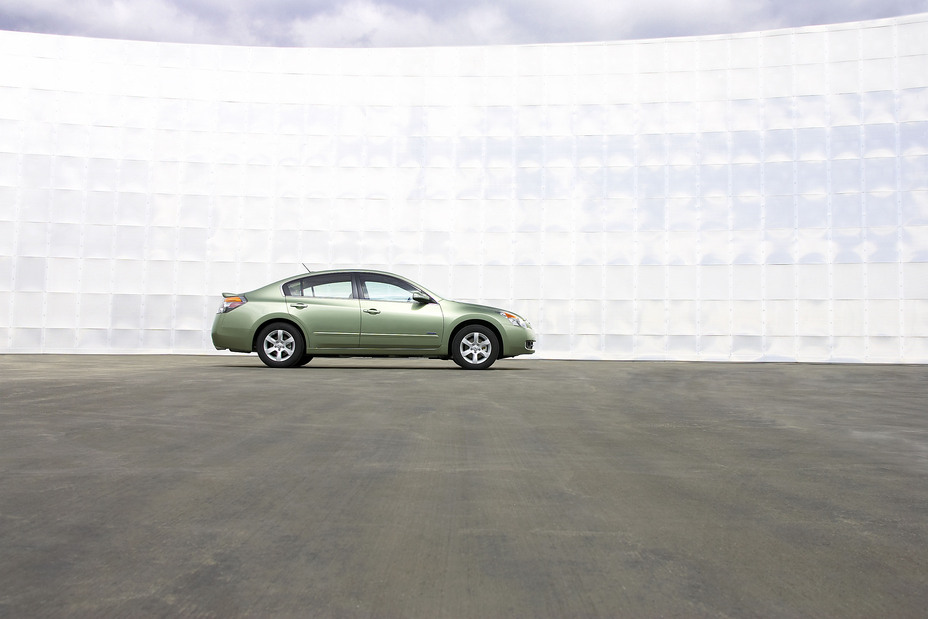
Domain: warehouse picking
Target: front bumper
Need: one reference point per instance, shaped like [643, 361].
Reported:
[518, 341]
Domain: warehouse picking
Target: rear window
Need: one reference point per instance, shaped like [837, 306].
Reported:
[320, 286]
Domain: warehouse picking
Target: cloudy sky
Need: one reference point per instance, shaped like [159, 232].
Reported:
[390, 23]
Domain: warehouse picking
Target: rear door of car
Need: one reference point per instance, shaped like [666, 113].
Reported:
[390, 319]
[326, 308]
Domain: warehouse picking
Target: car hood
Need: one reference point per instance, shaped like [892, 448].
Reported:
[472, 307]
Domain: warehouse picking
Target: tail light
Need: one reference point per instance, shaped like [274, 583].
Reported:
[230, 303]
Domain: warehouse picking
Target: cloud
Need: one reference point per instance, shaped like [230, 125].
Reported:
[597, 20]
[381, 23]
[377, 24]
[389, 23]
[125, 19]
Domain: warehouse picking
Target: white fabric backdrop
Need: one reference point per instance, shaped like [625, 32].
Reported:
[761, 196]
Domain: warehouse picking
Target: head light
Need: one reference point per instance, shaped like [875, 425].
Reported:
[516, 320]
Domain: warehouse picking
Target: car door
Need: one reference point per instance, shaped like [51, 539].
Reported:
[326, 308]
[392, 320]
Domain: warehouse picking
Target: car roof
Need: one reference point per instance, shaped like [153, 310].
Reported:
[337, 271]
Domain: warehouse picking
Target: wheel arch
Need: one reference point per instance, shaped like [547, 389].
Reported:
[260, 327]
[476, 321]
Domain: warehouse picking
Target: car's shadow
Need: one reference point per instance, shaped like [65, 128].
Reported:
[327, 368]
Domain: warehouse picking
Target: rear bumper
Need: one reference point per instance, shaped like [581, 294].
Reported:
[226, 335]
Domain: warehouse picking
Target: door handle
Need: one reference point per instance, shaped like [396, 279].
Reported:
[299, 305]
[373, 311]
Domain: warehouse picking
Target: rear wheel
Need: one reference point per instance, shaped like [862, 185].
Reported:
[475, 347]
[280, 345]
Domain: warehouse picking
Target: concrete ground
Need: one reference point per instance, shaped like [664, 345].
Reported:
[212, 486]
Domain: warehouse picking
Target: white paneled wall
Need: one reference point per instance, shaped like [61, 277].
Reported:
[751, 197]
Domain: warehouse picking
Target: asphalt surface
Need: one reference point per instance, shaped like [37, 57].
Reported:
[134, 486]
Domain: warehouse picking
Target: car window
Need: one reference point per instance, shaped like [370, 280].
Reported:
[332, 290]
[330, 287]
[382, 288]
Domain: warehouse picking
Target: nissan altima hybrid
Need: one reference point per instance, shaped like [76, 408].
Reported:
[354, 313]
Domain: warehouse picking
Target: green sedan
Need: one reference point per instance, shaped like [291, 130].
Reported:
[355, 313]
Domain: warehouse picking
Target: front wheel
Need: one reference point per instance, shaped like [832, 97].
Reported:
[475, 347]
[280, 345]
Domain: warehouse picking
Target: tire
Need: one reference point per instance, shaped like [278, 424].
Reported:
[306, 359]
[475, 347]
[280, 345]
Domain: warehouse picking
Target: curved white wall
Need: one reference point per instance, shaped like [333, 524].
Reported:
[752, 197]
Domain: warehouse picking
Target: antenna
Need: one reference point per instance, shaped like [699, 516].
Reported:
[306, 267]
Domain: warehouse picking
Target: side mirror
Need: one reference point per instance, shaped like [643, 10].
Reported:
[421, 297]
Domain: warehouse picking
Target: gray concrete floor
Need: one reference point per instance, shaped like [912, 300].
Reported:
[212, 486]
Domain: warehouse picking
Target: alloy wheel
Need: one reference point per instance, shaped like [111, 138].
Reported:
[279, 345]
[476, 348]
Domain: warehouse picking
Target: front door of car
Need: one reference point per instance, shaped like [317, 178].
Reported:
[392, 319]
[327, 309]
